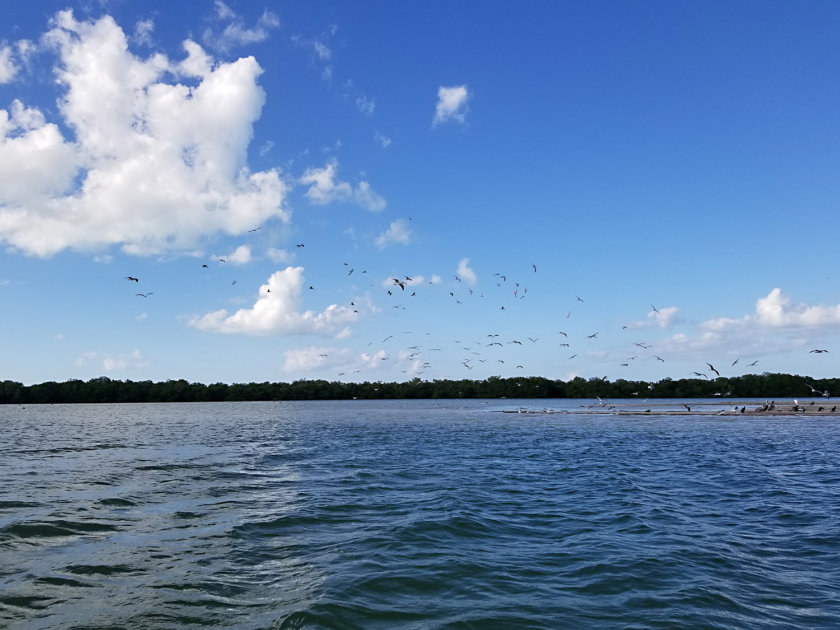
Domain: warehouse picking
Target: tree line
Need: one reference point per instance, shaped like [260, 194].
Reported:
[106, 390]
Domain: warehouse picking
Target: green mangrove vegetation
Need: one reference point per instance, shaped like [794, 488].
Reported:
[106, 390]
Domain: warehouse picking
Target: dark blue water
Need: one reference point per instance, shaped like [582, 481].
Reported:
[421, 514]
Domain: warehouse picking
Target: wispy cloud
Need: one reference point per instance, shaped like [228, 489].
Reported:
[321, 49]
[452, 105]
[231, 31]
[279, 256]
[8, 68]
[398, 233]
[325, 188]
[112, 362]
[277, 312]
[465, 273]
[153, 167]
[383, 140]
[366, 105]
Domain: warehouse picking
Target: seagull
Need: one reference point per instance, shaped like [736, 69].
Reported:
[579, 298]
[132, 278]
[592, 336]
[144, 294]
[299, 245]
[735, 361]
[818, 351]
[752, 364]
[655, 310]
[255, 229]
[661, 359]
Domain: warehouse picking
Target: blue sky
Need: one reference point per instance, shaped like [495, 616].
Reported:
[652, 183]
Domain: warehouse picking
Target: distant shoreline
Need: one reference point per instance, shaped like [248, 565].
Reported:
[765, 386]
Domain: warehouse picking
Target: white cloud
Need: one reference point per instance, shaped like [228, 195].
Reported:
[158, 168]
[465, 273]
[663, 317]
[451, 105]
[112, 362]
[366, 105]
[320, 47]
[398, 232]
[240, 256]
[776, 311]
[8, 68]
[143, 30]
[312, 358]
[276, 312]
[324, 188]
[235, 33]
[384, 141]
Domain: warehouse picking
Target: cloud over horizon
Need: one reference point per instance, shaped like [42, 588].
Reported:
[277, 312]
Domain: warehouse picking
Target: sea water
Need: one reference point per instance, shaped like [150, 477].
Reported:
[415, 514]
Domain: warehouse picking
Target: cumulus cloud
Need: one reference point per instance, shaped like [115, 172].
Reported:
[240, 256]
[775, 310]
[397, 233]
[234, 32]
[277, 312]
[465, 273]
[451, 105]
[152, 166]
[324, 188]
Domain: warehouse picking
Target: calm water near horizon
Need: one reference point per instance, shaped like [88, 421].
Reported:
[415, 514]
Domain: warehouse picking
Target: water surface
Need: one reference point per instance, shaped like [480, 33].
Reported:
[414, 514]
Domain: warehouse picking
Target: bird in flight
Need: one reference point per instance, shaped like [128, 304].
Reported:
[817, 351]
[579, 298]
[752, 364]
[145, 294]
[132, 278]
[592, 336]
[712, 368]
[299, 245]
[535, 267]
[255, 229]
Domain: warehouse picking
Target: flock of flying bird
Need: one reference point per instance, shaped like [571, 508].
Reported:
[416, 357]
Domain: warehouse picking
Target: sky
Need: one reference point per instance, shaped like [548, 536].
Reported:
[380, 191]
